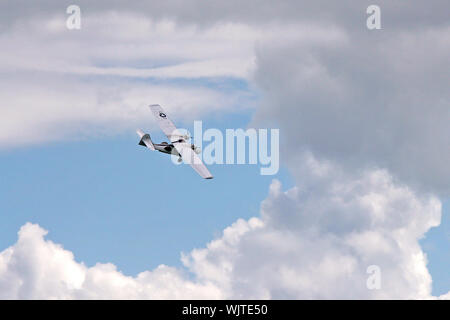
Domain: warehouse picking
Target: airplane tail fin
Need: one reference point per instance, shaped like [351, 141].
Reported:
[145, 140]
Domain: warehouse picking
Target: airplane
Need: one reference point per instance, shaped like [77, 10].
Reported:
[178, 145]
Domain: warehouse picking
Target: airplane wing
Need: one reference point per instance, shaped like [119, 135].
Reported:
[165, 123]
[178, 140]
[190, 157]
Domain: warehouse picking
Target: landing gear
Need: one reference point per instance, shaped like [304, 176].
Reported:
[179, 160]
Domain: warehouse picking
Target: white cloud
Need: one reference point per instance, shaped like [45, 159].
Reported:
[35, 268]
[72, 109]
[313, 241]
[58, 84]
[129, 45]
[317, 240]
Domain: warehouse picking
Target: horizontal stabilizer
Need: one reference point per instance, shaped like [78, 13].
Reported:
[145, 140]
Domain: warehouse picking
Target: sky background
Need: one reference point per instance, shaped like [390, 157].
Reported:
[124, 198]
[364, 177]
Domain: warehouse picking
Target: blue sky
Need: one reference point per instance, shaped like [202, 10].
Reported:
[436, 245]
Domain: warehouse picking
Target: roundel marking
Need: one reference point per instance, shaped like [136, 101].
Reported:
[162, 115]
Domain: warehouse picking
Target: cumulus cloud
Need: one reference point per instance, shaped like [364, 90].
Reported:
[316, 241]
[309, 242]
[35, 268]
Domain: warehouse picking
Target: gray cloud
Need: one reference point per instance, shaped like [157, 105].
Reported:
[376, 99]
[413, 14]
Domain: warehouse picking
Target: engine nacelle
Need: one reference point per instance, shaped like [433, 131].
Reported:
[197, 150]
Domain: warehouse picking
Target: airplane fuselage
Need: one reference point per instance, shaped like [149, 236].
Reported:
[166, 148]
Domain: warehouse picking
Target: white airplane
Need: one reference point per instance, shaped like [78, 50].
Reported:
[178, 145]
